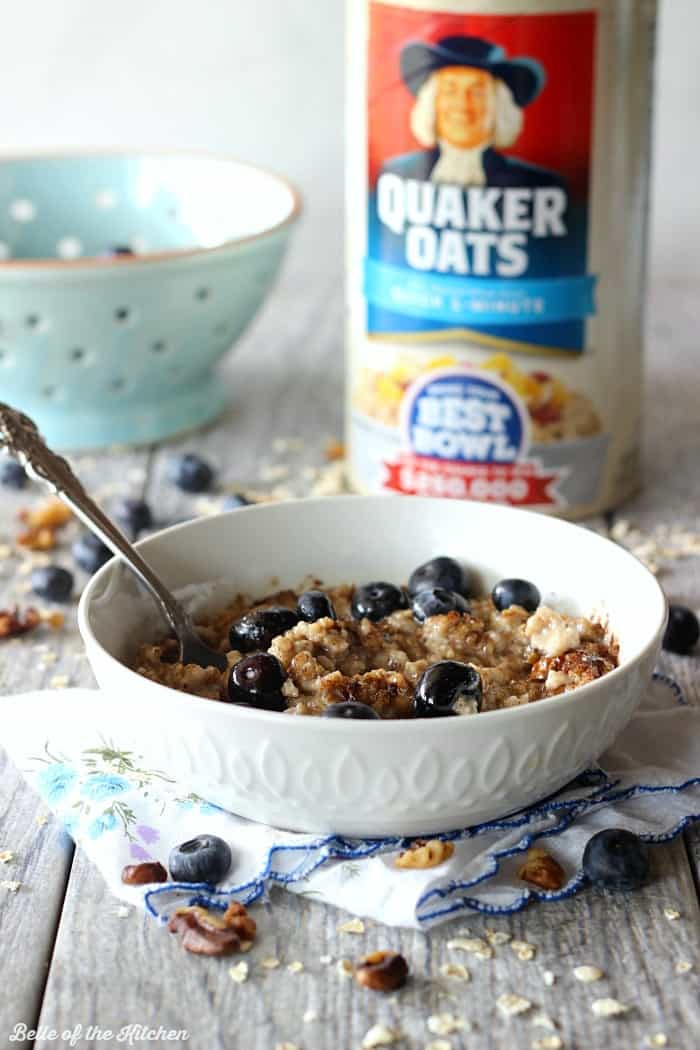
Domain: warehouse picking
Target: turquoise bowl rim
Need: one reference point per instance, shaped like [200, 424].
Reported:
[144, 258]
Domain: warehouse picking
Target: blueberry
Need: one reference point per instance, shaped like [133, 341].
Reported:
[255, 630]
[12, 474]
[206, 858]
[515, 592]
[350, 709]
[682, 630]
[134, 515]
[256, 681]
[442, 572]
[377, 600]
[120, 249]
[442, 685]
[190, 473]
[315, 605]
[90, 553]
[437, 602]
[236, 501]
[53, 583]
[616, 860]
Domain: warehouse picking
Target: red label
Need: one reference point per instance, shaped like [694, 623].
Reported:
[519, 484]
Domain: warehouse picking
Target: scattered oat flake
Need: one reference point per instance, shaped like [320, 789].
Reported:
[6, 855]
[270, 963]
[310, 1016]
[608, 1008]
[672, 914]
[43, 818]
[587, 974]
[59, 681]
[455, 970]
[325, 959]
[543, 1020]
[286, 1046]
[10, 884]
[446, 1024]
[274, 472]
[351, 926]
[510, 1004]
[547, 1042]
[439, 1044]
[122, 911]
[548, 978]
[331, 480]
[381, 1035]
[473, 945]
[657, 1039]
[295, 967]
[245, 946]
[239, 972]
[345, 968]
[496, 937]
[683, 967]
[524, 950]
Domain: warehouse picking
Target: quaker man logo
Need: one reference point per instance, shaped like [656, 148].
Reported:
[469, 104]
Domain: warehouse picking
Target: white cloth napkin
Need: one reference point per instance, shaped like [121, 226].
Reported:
[121, 813]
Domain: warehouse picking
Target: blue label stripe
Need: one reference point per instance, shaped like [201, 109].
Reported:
[478, 300]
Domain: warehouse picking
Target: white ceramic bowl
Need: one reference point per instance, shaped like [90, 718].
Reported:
[407, 777]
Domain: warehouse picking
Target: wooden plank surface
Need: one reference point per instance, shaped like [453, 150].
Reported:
[114, 971]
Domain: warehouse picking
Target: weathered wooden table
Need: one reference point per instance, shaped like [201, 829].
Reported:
[68, 959]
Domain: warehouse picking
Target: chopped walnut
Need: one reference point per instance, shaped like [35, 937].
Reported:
[142, 874]
[424, 854]
[541, 869]
[42, 524]
[13, 623]
[382, 971]
[206, 933]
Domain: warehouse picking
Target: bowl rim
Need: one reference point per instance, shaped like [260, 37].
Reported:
[190, 703]
[98, 263]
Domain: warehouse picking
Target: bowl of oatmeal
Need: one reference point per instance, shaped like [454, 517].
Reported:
[395, 666]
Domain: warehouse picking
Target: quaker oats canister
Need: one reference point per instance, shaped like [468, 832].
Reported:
[498, 154]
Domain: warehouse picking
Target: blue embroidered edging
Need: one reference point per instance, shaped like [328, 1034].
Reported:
[318, 852]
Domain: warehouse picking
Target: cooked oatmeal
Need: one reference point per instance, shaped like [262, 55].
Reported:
[520, 656]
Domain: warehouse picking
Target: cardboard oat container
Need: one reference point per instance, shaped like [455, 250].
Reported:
[498, 157]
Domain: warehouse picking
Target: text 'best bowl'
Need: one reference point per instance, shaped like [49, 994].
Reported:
[377, 778]
[124, 278]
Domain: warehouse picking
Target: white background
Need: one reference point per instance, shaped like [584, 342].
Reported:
[263, 80]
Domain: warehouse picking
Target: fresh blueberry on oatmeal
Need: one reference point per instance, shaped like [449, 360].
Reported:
[256, 629]
[257, 680]
[12, 474]
[374, 601]
[442, 572]
[515, 592]
[52, 582]
[437, 602]
[191, 473]
[440, 655]
[90, 552]
[682, 630]
[350, 709]
[447, 688]
[315, 605]
[206, 858]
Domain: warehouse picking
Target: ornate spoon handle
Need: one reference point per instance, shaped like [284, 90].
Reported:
[20, 437]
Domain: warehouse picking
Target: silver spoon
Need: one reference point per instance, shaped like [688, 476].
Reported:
[20, 437]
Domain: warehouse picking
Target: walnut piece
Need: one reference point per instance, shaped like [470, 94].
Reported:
[140, 874]
[382, 971]
[207, 933]
[541, 869]
[42, 523]
[424, 854]
[13, 623]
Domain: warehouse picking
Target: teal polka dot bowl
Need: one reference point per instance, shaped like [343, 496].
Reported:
[124, 279]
